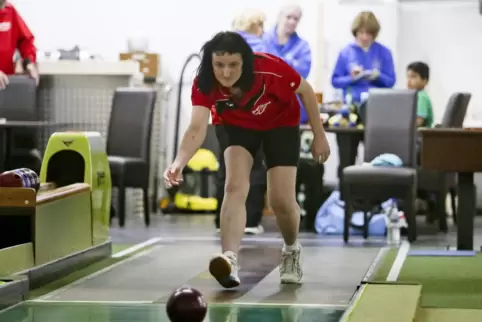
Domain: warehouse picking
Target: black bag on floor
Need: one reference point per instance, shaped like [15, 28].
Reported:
[309, 191]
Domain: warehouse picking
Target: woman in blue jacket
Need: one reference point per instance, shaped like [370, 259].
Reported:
[365, 63]
[361, 65]
[284, 42]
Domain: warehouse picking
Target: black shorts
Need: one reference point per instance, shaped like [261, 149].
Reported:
[281, 146]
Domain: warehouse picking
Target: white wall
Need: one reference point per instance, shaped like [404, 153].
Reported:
[448, 36]
[445, 34]
[175, 29]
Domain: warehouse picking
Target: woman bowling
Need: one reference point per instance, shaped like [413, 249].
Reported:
[254, 95]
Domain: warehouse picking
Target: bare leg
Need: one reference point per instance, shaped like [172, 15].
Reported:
[233, 210]
[282, 199]
[224, 267]
[282, 196]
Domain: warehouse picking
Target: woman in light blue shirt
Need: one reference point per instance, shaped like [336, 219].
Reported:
[250, 25]
[283, 41]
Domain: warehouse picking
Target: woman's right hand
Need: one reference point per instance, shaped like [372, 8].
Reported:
[173, 175]
[356, 71]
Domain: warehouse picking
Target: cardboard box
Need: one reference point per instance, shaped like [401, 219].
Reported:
[148, 62]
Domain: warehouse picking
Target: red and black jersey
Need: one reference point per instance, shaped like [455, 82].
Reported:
[272, 100]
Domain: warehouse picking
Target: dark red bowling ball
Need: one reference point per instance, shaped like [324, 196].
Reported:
[20, 178]
[186, 305]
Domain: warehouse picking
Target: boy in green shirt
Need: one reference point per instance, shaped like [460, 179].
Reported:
[418, 74]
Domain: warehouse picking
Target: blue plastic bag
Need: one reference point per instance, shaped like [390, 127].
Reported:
[330, 219]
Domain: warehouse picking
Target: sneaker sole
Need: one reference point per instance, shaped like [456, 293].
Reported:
[220, 269]
[290, 280]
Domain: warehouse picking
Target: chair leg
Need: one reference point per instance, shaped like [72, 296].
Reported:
[112, 213]
[347, 219]
[453, 195]
[121, 204]
[366, 224]
[154, 201]
[431, 211]
[147, 206]
[441, 211]
[410, 215]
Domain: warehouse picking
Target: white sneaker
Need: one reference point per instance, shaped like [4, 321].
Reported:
[224, 268]
[290, 269]
[254, 230]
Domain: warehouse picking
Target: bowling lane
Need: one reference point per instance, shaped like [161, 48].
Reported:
[256, 263]
[331, 276]
[97, 312]
[144, 277]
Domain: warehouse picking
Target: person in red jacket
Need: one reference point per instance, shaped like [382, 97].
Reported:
[15, 35]
[255, 97]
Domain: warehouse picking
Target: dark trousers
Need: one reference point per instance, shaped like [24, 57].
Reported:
[347, 153]
[254, 205]
[257, 190]
[347, 150]
[309, 184]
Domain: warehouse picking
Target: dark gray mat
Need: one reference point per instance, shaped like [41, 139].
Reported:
[143, 278]
[331, 276]
[256, 263]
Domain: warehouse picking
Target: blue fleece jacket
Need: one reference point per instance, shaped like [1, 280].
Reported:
[376, 57]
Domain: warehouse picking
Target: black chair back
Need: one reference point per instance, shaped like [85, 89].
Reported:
[18, 101]
[390, 124]
[455, 111]
[130, 124]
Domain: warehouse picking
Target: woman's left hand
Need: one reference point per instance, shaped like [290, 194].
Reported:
[374, 74]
